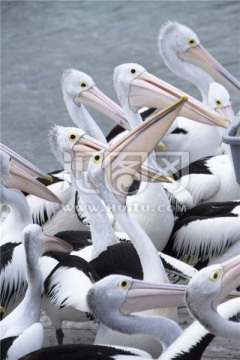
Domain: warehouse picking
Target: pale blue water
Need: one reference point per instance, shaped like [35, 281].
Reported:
[40, 39]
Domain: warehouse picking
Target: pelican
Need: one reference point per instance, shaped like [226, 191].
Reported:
[110, 189]
[148, 90]
[216, 281]
[184, 55]
[22, 326]
[16, 174]
[154, 194]
[114, 298]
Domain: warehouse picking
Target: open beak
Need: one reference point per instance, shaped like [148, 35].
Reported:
[147, 90]
[24, 164]
[22, 180]
[95, 98]
[86, 146]
[149, 173]
[53, 243]
[143, 296]
[83, 150]
[200, 57]
[123, 159]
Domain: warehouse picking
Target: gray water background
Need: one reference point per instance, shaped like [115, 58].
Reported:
[40, 39]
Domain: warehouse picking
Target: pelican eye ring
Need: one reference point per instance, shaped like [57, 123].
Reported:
[218, 103]
[192, 42]
[133, 71]
[215, 275]
[73, 137]
[123, 284]
[97, 158]
[83, 85]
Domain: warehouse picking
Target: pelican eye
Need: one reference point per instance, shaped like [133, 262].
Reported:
[218, 103]
[192, 42]
[133, 71]
[123, 284]
[83, 85]
[97, 158]
[73, 137]
[215, 275]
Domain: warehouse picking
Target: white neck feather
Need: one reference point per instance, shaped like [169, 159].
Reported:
[153, 269]
[102, 232]
[83, 120]
[34, 279]
[217, 325]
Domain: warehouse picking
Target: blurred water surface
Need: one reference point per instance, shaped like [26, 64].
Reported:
[40, 39]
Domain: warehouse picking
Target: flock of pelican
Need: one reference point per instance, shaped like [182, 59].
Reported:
[161, 233]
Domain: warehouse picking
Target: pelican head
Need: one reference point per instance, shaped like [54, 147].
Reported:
[80, 88]
[35, 241]
[145, 89]
[75, 82]
[73, 148]
[219, 100]
[186, 45]
[211, 285]
[179, 37]
[19, 174]
[62, 140]
[127, 295]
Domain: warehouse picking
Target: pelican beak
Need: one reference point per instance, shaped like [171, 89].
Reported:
[231, 275]
[143, 296]
[200, 57]
[226, 112]
[95, 98]
[53, 243]
[83, 150]
[161, 146]
[22, 180]
[149, 173]
[86, 146]
[147, 90]
[124, 158]
[24, 164]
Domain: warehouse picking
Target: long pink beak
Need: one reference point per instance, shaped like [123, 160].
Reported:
[200, 57]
